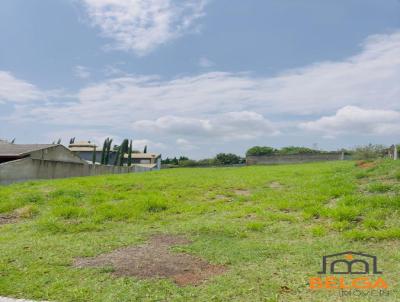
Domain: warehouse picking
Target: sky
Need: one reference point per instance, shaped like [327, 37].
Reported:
[199, 77]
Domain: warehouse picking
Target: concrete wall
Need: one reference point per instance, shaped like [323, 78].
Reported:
[295, 158]
[56, 153]
[30, 169]
[88, 155]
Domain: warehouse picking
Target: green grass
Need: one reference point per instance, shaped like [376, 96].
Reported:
[272, 239]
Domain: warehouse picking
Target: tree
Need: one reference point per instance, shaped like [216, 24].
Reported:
[122, 151]
[117, 155]
[94, 156]
[130, 154]
[107, 159]
[145, 149]
[182, 158]
[370, 152]
[104, 151]
[296, 150]
[59, 141]
[260, 150]
[13, 141]
[228, 159]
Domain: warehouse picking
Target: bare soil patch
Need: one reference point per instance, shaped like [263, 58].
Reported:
[275, 185]
[332, 203]
[8, 218]
[155, 260]
[365, 164]
[242, 192]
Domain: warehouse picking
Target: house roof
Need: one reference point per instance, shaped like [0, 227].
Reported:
[19, 150]
[81, 149]
[149, 166]
[144, 155]
[82, 146]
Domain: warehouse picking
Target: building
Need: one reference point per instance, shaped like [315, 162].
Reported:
[148, 160]
[85, 149]
[47, 161]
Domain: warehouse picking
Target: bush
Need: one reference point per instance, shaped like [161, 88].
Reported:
[296, 150]
[228, 159]
[258, 150]
[369, 152]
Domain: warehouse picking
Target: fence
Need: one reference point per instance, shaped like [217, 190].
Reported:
[293, 158]
[28, 169]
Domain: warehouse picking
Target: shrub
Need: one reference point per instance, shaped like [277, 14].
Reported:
[258, 150]
[369, 152]
[228, 159]
[296, 150]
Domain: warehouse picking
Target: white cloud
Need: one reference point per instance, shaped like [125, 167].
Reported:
[81, 72]
[225, 106]
[185, 144]
[17, 91]
[351, 119]
[365, 80]
[227, 126]
[142, 25]
[206, 63]
[139, 144]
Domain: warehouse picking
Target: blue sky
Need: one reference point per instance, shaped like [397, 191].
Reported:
[197, 77]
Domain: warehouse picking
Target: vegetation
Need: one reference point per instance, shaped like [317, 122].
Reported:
[270, 225]
[264, 150]
[221, 159]
[369, 152]
[257, 150]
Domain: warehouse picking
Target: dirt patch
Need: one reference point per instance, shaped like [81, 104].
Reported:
[8, 218]
[332, 203]
[242, 192]
[275, 185]
[155, 260]
[365, 164]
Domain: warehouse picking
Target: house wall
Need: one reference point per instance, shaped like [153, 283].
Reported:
[88, 155]
[56, 153]
[30, 169]
[294, 158]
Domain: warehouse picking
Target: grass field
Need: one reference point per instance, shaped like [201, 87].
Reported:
[269, 225]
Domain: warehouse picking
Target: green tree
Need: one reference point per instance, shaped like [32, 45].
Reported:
[228, 159]
[260, 150]
[104, 151]
[130, 154]
[107, 158]
[94, 156]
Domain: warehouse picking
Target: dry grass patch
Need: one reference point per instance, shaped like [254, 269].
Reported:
[155, 260]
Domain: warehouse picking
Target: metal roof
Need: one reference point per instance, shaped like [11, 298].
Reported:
[19, 150]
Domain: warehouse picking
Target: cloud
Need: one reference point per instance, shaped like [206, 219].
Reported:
[185, 144]
[18, 91]
[81, 72]
[143, 25]
[227, 126]
[139, 144]
[206, 63]
[355, 120]
[225, 106]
